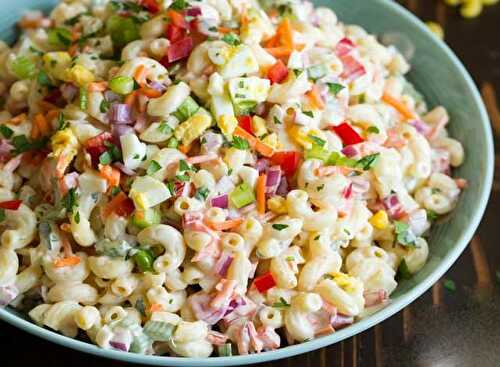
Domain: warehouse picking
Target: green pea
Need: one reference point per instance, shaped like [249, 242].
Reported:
[144, 260]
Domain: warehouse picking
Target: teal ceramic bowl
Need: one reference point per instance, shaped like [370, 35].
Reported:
[440, 76]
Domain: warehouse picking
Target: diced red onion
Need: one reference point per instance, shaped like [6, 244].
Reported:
[7, 294]
[262, 165]
[68, 91]
[200, 304]
[223, 264]
[212, 142]
[121, 339]
[360, 185]
[417, 220]
[221, 201]
[157, 86]
[421, 126]
[5, 149]
[224, 185]
[440, 160]
[233, 214]
[140, 123]
[273, 179]
[344, 47]
[71, 180]
[260, 110]
[353, 69]
[351, 150]
[12, 164]
[120, 113]
[124, 169]
[347, 194]
[339, 321]
[111, 96]
[119, 130]
[193, 12]
[394, 206]
[55, 97]
[373, 298]
[282, 189]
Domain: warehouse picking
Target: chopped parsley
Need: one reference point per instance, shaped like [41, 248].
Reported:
[320, 187]
[276, 120]
[317, 237]
[404, 235]
[367, 161]
[43, 79]
[431, 215]
[70, 200]
[183, 178]
[165, 128]
[328, 276]
[22, 144]
[279, 227]
[281, 304]
[435, 190]
[450, 285]
[202, 194]
[240, 143]
[140, 306]
[232, 39]
[290, 258]
[184, 166]
[115, 191]
[2, 215]
[308, 113]
[105, 158]
[6, 131]
[77, 217]
[297, 72]
[179, 5]
[497, 273]
[373, 130]
[104, 106]
[153, 167]
[171, 187]
[335, 88]
[61, 123]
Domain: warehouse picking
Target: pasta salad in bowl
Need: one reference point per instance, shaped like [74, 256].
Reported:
[212, 178]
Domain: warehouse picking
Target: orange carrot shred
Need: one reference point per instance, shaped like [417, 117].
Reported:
[315, 98]
[150, 92]
[261, 193]
[130, 99]
[156, 307]
[112, 175]
[223, 226]
[16, 120]
[185, 148]
[67, 261]
[98, 86]
[279, 51]
[398, 106]
[140, 75]
[66, 227]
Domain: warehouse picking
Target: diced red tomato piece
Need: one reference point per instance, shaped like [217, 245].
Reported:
[264, 282]
[344, 47]
[11, 204]
[288, 161]
[347, 134]
[175, 33]
[278, 72]
[95, 146]
[179, 50]
[353, 69]
[245, 122]
[151, 6]
[121, 205]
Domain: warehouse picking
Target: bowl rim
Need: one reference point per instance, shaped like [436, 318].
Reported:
[360, 325]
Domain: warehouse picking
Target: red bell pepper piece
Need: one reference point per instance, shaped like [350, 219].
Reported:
[344, 47]
[264, 282]
[121, 205]
[245, 122]
[288, 161]
[95, 146]
[353, 69]
[175, 33]
[179, 50]
[278, 72]
[347, 134]
[151, 6]
[11, 204]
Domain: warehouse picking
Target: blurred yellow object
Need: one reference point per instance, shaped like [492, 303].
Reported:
[453, 2]
[436, 29]
[277, 204]
[471, 8]
[227, 124]
[380, 220]
[490, 2]
[80, 75]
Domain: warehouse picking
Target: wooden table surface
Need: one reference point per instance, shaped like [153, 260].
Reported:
[441, 328]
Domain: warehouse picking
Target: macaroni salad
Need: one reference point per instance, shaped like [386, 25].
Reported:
[214, 177]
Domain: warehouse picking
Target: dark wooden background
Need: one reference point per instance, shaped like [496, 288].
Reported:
[442, 328]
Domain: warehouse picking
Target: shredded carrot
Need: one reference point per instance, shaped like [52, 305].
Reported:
[315, 98]
[115, 204]
[150, 92]
[255, 143]
[35, 132]
[130, 99]
[398, 106]
[261, 193]
[279, 51]
[73, 49]
[286, 33]
[112, 175]
[274, 41]
[140, 75]
[66, 227]
[61, 165]
[224, 30]
[273, 13]
[185, 148]
[202, 158]
[17, 119]
[67, 261]
[52, 114]
[98, 86]
[41, 122]
[223, 226]
[156, 307]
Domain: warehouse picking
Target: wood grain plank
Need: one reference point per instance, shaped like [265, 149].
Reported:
[437, 294]
[490, 100]
[379, 352]
[407, 324]
[483, 274]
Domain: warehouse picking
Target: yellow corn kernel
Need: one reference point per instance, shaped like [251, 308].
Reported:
[380, 220]
[453, 2]
[272, 141]
[436, 29]
[227, 124]
[192, 128]
[489, 2]
[57, 63]
[259, 126]
[471, 8]
[64, 141]
[344, 281]
[80, 75]
[302, 135]
[277, 204]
